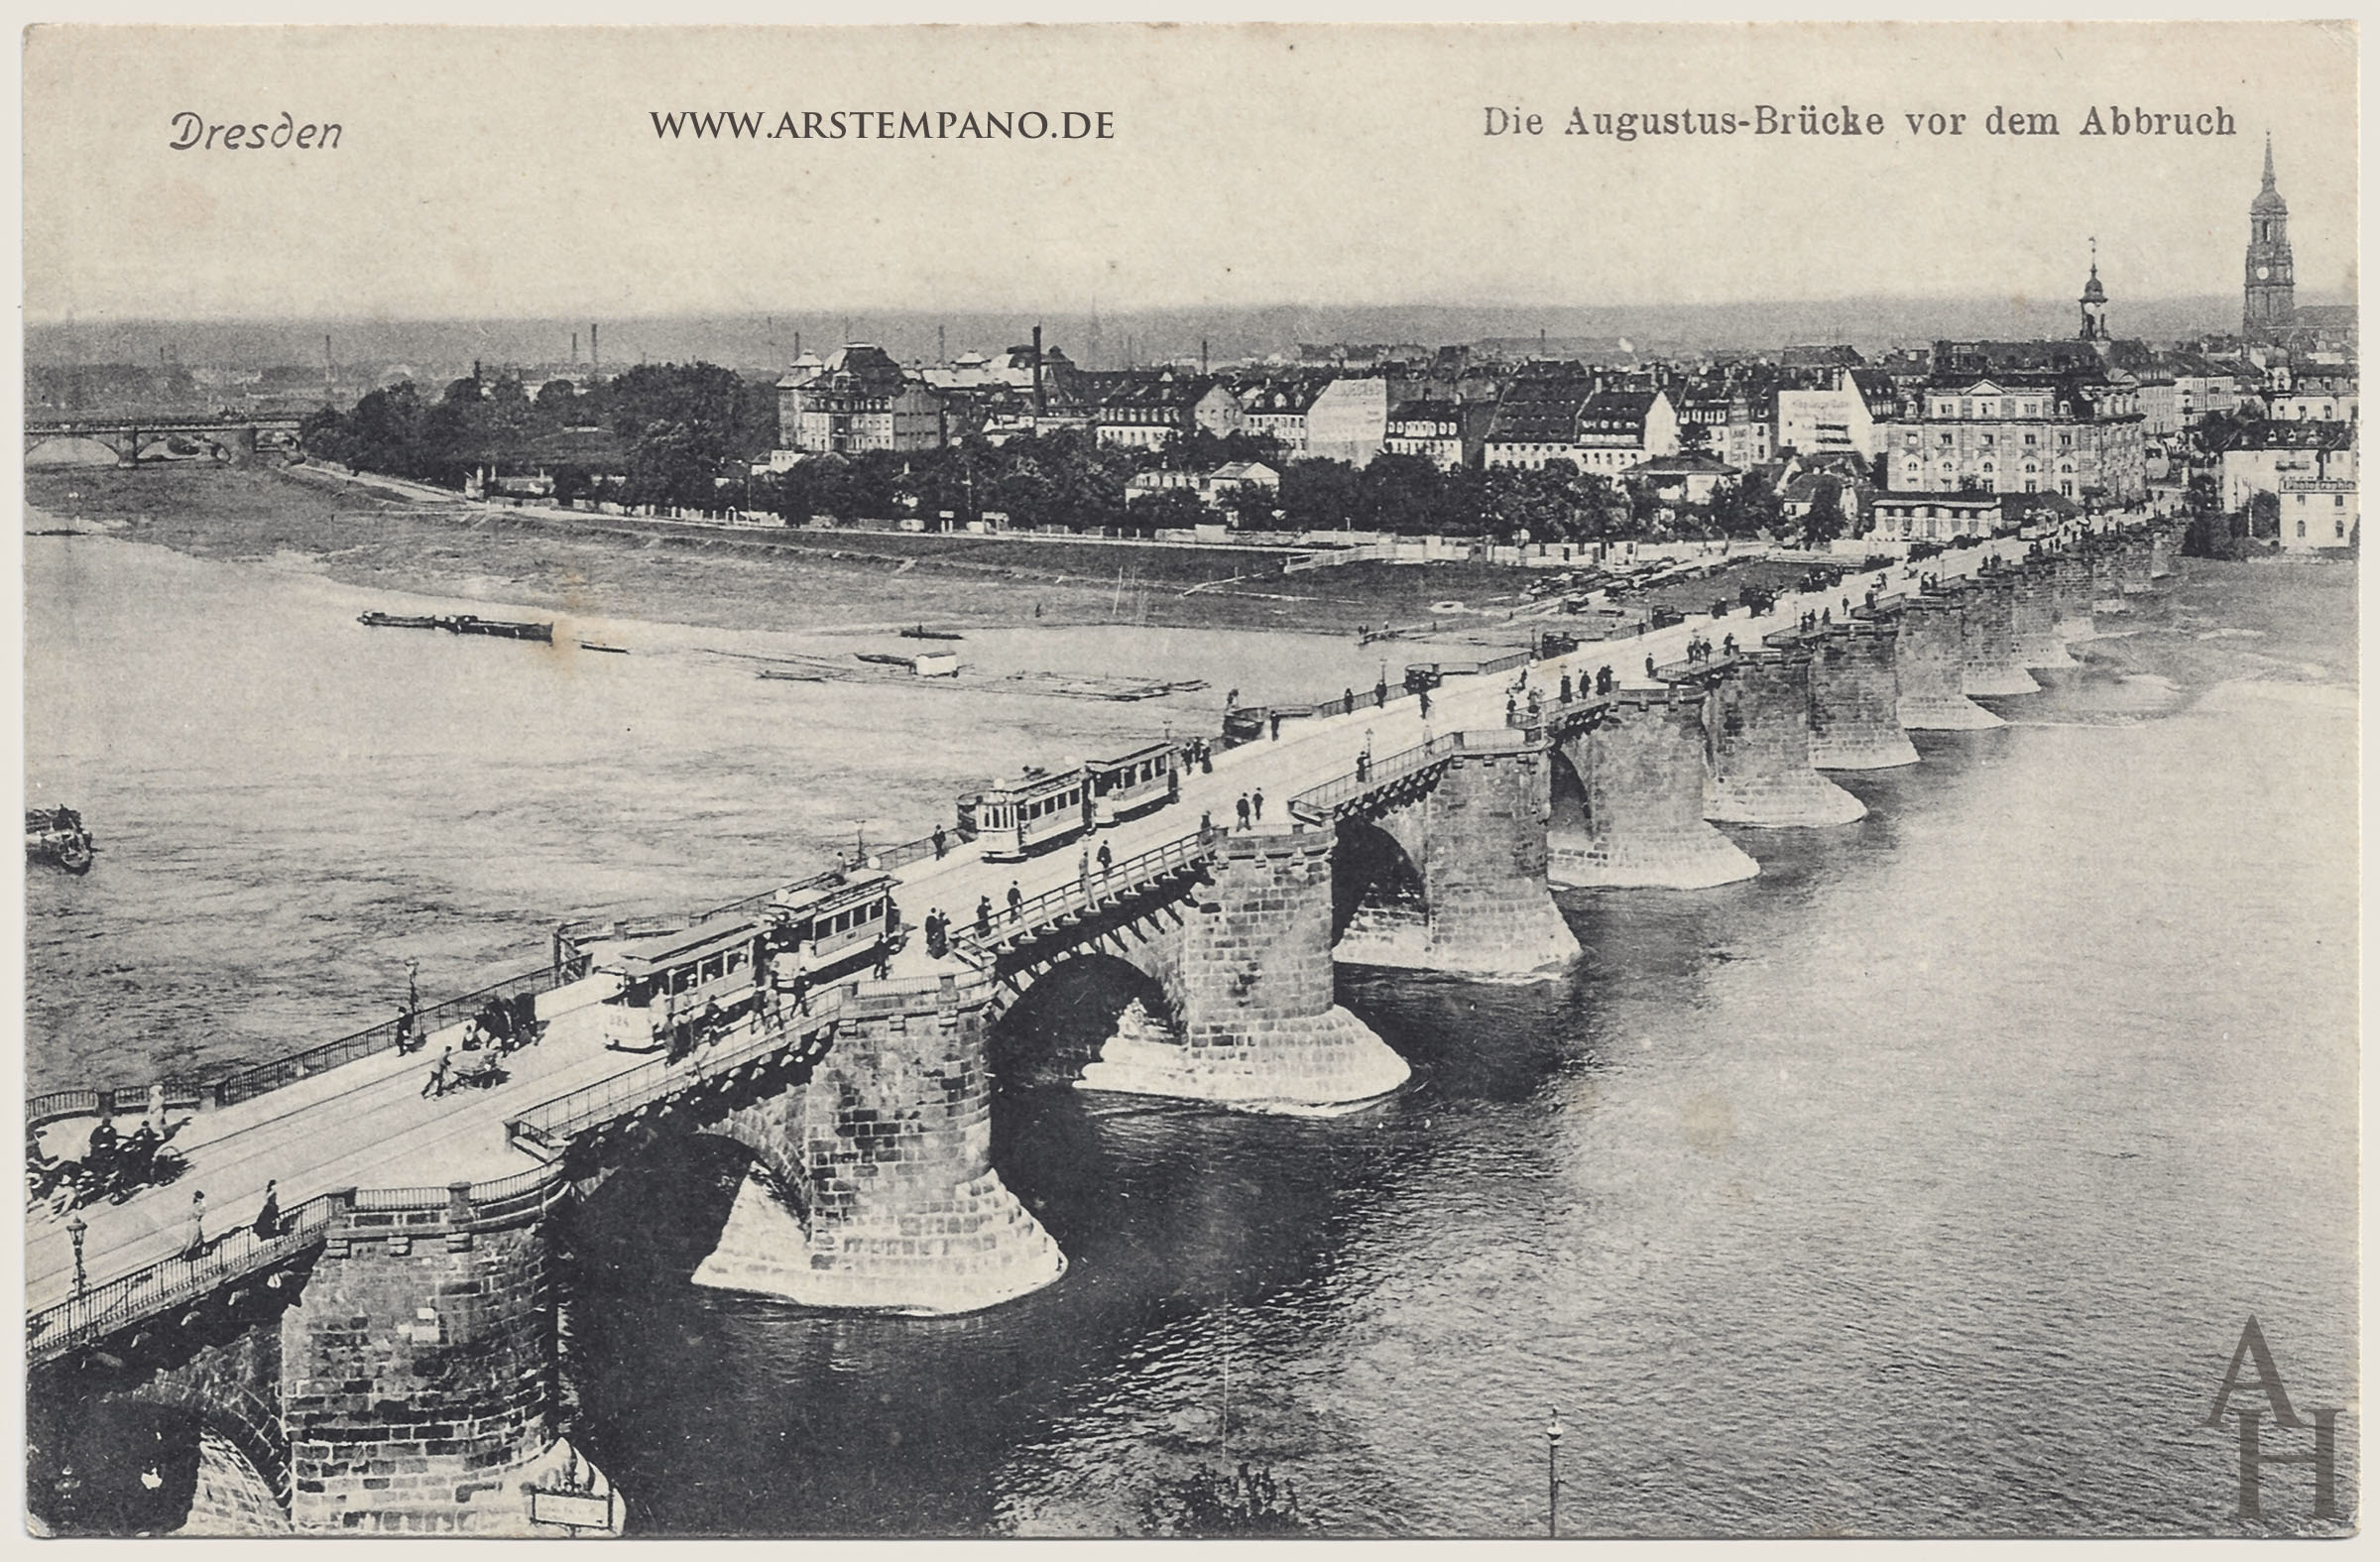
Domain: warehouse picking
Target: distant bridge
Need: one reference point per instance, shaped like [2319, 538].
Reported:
[233, 436]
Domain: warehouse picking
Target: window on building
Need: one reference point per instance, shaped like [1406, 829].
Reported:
[1986, 441]
[1946, 441]
[1966, 409]
[2339, 528]
[2300, 530]
[2029, 438]
[2065, 440]
[2066, 489]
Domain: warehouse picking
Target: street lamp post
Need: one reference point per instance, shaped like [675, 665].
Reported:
[76, 1227]
[1553, 1473]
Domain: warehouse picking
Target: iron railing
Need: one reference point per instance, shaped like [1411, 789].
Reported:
[1087, 891]
[258, 1079]
[547, 1128]
[246, 1082]
[98, 1310]
[95, 1311]
[1325, 802]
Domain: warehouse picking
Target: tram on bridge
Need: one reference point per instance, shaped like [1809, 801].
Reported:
[1045, 807]
[1015, 819]
[1133, 784]
[663, 978]
[836, 920]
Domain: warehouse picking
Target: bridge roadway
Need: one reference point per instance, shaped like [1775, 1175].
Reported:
[365, 1123]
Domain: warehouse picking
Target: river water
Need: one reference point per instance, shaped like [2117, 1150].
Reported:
[1921, 1185]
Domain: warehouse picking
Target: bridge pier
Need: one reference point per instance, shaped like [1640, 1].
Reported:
[1477, 838]
[1640, 765]
[2071, 574]
[888, 1147]
[1927, 657]
[2034, 617]
[1855, 722]
[421, 1384]
[1756, 719]
[1987, 638]
[1254, 991]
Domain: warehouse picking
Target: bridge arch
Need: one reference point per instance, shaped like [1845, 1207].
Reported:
[1067, 1012]
[71, 449]
[1375, 885]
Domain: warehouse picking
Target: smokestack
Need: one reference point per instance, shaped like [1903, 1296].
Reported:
[574, 349]
[594, 348]
[941, 344]
[1040, 392]
[1202, 355]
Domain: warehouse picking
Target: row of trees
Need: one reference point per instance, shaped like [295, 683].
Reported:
[668, 431]
[686, 435]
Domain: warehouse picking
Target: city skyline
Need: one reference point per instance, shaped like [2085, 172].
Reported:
[527, 183]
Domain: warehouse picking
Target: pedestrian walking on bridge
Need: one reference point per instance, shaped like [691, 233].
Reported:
[983, 917]
[1107, 860]
[942, 842]
[1241, 807]
[439, 1072]
[1082, 872]
[1016, 903]
[268, 1217]
[1648, 667]
[1257, 800]
[195, 1244]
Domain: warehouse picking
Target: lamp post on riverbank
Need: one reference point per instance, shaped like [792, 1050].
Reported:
[76, 1227]
[1552, 1474]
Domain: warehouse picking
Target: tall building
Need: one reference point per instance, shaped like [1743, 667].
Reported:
[2094, 301]
[2272, 291]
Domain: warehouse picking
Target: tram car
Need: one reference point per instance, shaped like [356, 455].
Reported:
[1133, 784]
[665, 978]
[1015, 819]
[840, 919]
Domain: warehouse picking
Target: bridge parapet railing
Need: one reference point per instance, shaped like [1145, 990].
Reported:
[246, 1082]
[258, 1079]
[1333, 796]
[97, 1310]
[1035, 913]
[547, 1128]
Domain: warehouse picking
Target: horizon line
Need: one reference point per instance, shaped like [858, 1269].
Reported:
[2022, 301]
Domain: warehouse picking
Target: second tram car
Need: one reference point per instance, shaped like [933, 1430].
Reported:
[1018, 818]
[1134, 782]
[842, 918]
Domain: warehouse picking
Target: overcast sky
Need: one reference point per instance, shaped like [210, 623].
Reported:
[517, 173]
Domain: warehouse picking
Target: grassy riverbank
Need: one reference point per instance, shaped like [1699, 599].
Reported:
[622, 567]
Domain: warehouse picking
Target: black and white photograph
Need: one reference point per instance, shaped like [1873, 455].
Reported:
[1295, 781]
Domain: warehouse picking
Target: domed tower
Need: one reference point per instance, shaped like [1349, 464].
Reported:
[2094, 301]
[2272, 297]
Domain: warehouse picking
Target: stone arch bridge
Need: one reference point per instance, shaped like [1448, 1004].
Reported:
[388, 1360]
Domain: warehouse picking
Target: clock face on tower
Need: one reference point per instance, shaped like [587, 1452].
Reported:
[2263, 271]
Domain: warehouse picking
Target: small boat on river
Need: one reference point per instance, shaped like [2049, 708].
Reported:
[464, 624]
[596, 645]
[922, 633]
[57, 836]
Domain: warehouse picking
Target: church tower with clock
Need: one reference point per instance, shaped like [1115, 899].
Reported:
[2272, 297]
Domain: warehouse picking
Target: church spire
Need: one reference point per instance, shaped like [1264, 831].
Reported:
[2268, 160]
